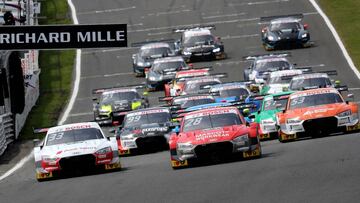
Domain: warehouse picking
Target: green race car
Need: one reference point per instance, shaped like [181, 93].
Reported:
[266, 116]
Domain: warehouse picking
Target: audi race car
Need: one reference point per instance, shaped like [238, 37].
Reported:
[74, 147]
[316, 112]
[186, 101]
[200, 84]
[148, 53]
[112, 104]
[285, 32]
[315, 80]
[279, 81]
[145, 130]
[198, 43]
[266, 116]
[175, 86]
[262, 65]
[213, 133]
[231, 91]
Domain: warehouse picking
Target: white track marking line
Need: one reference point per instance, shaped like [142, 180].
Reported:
[137, 24]
[337, 38]
[22, 162]
[81, 114]
[106, 75]
[109, 50]
[159, 33]
[106, 11]
[239, 36]
[222, 16]
[353, 88]
[230, 62]
[257, 3]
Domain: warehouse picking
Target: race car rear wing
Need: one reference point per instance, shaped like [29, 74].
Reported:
[194, 27]
[279, 54]
[101, 90]
[139, 44]
[298, 16]
[40, 130]
[215, 75]
[340, 88]
[328, 72]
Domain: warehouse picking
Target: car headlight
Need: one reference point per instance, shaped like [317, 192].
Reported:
[345, 113]
[271, 38]
[293, 120]
[48, 159]
[216, 50]
[127, 137]
[143, 63]
[103, 151]
[184, 146]
[241, 139]
[104, 111]
[186, 53]
[304, 35]
[152, 78]
[268, 121]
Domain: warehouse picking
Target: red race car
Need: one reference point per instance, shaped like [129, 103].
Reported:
[176, 84]
[215, 132]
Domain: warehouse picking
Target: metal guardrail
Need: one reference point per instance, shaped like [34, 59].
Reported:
[7, 132]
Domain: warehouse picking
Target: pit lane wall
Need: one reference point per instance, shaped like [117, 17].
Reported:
[12, 123]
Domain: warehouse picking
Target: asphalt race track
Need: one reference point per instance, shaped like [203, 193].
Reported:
[311, 170]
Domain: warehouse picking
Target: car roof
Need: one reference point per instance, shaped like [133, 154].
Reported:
[314, 92]
[278, 94]
[196, 32]
[155, 45]
[211, 105]
[226, 86]
[310, 75]
[281, 73]
[168, 59]
[73, 126]
[270, 59]
[201, 79]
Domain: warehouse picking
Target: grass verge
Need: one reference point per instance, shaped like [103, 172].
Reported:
[345, 16]
[56, 73]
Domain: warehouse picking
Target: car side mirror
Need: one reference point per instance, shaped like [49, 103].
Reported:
[94, 99]
[350, 97]
[145, 94]
[252, 116]
[306, 26]
[191, 65]
[37, 143]
[176, 130]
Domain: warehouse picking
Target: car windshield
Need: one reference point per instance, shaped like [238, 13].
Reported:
[199, 40]
[75, 135]
[155, 52]
[211, 121]
[136, 120]
[275, 103]
[280, 80]
[176, 65]
[234, 92]
[272, 65]
[195, 102]
[195, 87]
[315, 100]
[285, 26]
[109, 98]
[300, 84]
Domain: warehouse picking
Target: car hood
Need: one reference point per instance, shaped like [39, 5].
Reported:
[286, 34]
[221, 134]
[317, 111]
[267, 115]
[75, 148]
[277, 88]
[200, 48]
[146, 129]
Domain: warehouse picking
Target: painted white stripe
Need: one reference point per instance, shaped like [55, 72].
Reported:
[109, 50]
[106, 11]
[69, 106]
[239, 36]
[354, 88]
[133, 25]
[159, 33]
[257, 3]
[230, 62]
[337, 38]
[106, 75]
[222, 16]
[81, 114]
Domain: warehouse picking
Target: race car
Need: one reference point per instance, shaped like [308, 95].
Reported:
[187, 101]
[316, 112]
[262, 65]
[200, 84]
[74, 147]
[211, 134]
[231, 91]
[266, 116]
[197, 43]
[285, 32]
[173, 87]
[163, 70]
[315, 80]
[148, 52]
[111, 104]
[279, 81]
[144, 130]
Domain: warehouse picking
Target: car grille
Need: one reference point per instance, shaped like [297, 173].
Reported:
[320, 125]
[78, 162]
[220, 148]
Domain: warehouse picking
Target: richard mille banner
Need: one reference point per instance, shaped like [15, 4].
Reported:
[62, 36]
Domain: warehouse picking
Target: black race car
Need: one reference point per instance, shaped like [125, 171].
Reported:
[198, 43]
[144, 130]
[148, 53]
[163, 71]
[112, 104]
[284, 32]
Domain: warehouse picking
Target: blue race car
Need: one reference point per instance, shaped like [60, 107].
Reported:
[231, 91]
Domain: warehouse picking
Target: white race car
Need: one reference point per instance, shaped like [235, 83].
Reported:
[79, 146]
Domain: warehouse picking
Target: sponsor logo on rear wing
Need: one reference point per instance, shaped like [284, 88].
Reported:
[193, 27]
[297, 16]
[279, 54]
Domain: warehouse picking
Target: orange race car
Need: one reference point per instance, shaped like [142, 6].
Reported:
[176, 84]
[317, 112]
